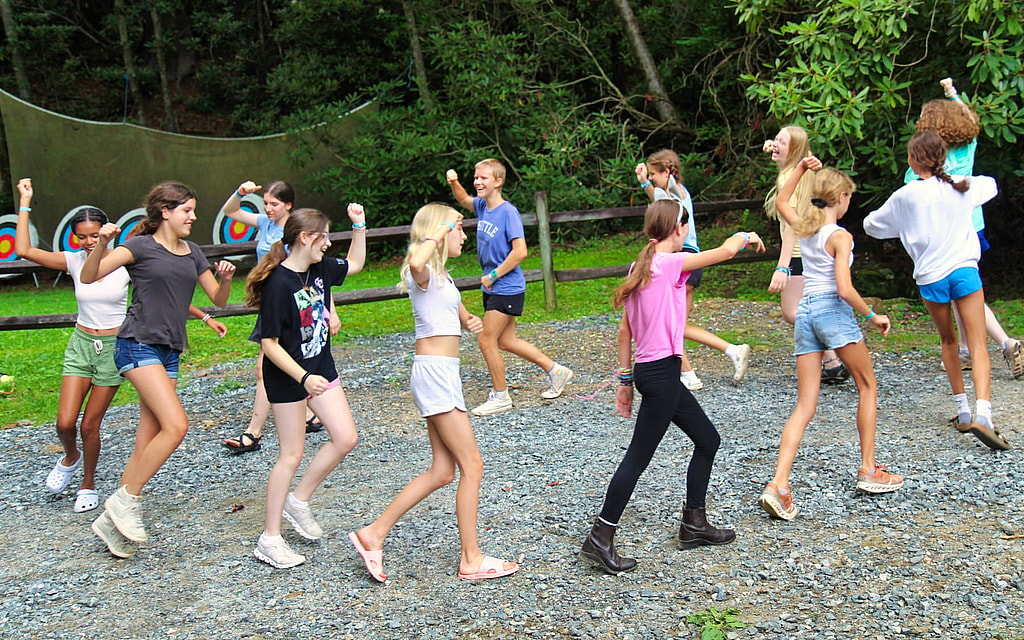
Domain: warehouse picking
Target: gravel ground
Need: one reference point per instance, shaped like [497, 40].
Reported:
[938, 559]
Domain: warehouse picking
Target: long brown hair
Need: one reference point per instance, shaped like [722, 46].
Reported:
[308, 220]
[660, 221]
[666, 159]
[928, 149]
[166, 195]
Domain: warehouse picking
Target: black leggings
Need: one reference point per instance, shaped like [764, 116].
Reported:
[664, 399]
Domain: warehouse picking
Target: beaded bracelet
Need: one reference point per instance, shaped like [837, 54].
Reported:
[746, 238]
[206, 317]
[626, 380]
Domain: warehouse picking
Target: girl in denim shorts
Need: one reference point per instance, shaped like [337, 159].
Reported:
[440, 316]
[824, 321]
[164, 268]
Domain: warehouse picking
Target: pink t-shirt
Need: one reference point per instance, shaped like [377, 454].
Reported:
[657, 312]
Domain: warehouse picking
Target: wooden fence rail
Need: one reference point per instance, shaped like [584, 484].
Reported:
[546, 274]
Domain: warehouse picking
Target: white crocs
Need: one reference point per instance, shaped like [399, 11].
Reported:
[86, 500]
[57, 480]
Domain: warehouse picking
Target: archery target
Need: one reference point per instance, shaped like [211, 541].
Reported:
[8, 228]
[228, 231]
[127, 222]
[64, 238]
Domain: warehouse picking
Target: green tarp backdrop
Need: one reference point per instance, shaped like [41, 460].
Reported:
[112, 166]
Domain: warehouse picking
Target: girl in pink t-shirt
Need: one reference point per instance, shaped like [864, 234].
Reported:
[654, 296]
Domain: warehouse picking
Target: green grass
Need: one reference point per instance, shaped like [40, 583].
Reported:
[35, 357]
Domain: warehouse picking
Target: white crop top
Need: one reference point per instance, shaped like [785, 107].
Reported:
[819, 266]
[435, 309]
[101, 304]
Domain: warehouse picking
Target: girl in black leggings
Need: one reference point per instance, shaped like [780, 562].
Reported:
[654, 297]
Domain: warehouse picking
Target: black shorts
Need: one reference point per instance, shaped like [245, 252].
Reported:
[697, 274]
[509, 305]
[796, 267]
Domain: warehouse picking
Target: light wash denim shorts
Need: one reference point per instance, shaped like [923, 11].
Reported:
[824, 321]
[436, 385]
[130, 354]
[962, 282]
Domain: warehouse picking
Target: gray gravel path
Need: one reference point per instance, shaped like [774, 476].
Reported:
[935, 560]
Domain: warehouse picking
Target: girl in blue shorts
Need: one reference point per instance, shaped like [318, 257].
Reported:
[825, 320]
[932, 218]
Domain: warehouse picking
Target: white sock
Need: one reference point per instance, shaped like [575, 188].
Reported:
[984, 410]
[295, 502]
[269, 538]
[963, 405]
[733, 351]
[689, 376]
[501, 394]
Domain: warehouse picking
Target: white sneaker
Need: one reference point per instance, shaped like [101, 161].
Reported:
[693, 384]
[60, 476]
[741, 362]
[557, 379]
[126, 512]
[277, 553]
[118, 545]
[302, 519]
[497, 401]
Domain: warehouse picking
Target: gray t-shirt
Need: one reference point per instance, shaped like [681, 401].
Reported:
[162, 287]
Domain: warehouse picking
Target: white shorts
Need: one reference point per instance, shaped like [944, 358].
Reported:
[436, 385]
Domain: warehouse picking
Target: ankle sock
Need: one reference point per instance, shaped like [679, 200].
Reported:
[963, 408]
[689, 376]
[733, 351]
[295, 502]
[269, 538]
[984, 413]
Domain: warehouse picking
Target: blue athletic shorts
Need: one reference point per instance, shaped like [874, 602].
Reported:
[962, 282]
[824, 321]
[130, 354]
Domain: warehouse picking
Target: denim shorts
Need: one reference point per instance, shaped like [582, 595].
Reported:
[962, 282]
[824, 321]
[436, 385]
[89, 356]
[130, 354]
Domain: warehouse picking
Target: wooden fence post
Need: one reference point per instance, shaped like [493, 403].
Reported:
[547, 266]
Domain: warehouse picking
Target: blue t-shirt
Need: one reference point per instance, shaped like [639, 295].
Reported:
[270, 232]
[495, 231]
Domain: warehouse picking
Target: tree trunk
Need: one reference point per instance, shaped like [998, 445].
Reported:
[666, 111]
[129, 64]
[417, 55]
[17, 62]
[171, 123]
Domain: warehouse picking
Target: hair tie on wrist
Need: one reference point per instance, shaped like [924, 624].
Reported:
[239, 194]
[871, 314]
[303, 381]
[206, 317]
[818, 202]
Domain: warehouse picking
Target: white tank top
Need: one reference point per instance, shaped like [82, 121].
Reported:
[436, 308]
[819, 266]
[101, 304]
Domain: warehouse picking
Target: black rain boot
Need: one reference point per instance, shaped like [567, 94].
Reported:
[695, 530]
[599, 550]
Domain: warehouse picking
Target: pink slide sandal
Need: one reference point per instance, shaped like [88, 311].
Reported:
[374, 560]
[490, 568]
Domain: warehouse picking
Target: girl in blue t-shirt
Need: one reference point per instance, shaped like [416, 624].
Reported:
[291, 286]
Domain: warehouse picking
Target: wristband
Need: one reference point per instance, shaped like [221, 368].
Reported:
[239, 195]
[870, 315]
[206, 317]
[358, 225]
[645, 185]
[24, 208]
[450, 225]
[785, 270]
[303, 381]
[746, 238]
[493, 275]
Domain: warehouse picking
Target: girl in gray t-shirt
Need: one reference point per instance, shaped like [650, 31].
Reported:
[164, 268]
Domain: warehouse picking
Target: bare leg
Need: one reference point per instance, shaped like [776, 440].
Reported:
[972, 309]
[260, 405]
[162, 425]
[73, 390]
[96, 407]
[332, 407]
[942, 316]
[808, 377]
[858, 362]
[291, 436]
